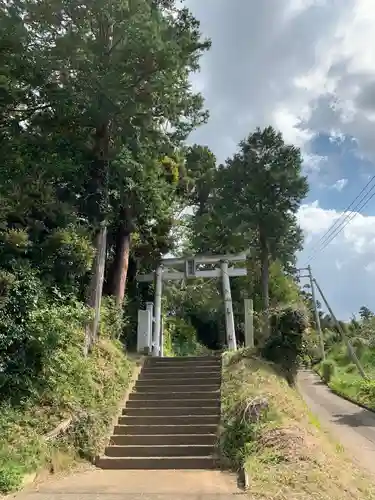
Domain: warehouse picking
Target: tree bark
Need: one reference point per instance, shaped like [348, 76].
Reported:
[98, 192]
[96, 287]
[264, 270]
[121, 265]
[97, 208]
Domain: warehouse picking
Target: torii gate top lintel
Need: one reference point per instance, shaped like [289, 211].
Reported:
[190, 270]
[204, 259]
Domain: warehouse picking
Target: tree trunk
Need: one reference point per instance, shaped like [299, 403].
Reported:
[98, 192]
[97, 189]
[96, 287]
[121, 264]
[264, 270]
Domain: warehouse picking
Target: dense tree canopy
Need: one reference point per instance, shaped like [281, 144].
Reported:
[96, 108]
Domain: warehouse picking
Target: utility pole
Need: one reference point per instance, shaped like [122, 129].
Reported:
[351, 351]
[316, 313]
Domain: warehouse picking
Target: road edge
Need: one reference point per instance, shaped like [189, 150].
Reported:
[341, 395]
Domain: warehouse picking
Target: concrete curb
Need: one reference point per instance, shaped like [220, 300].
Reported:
[343, 396]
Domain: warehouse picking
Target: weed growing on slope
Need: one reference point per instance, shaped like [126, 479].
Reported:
[86, 390]
[286, 454]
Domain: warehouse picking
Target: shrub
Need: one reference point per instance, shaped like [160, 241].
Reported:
[68, 256]
[328, 370]
[285, 345]
[180, 338]
[351, 368]
[340, 354]
[10, 477]
[87, 389]
[243, 413]
[366, 392]
[20, 362]
[360, 345]
[111, 319]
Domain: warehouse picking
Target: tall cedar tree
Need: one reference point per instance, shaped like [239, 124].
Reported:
[258, 194]
[100, 77]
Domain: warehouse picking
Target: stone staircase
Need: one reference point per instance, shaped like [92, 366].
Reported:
[171, 418]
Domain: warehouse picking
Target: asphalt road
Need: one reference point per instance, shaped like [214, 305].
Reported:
[351, 425]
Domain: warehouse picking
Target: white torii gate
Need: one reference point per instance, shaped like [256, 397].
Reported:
[191, 270]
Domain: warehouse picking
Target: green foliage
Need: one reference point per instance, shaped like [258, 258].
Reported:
[10, 478]
[84, 144]
[200, 304]
[237, 438]
[68, 255]
[351, 368]
[366, 392]
[111, 319]
[180, 338]
[259, 191]
[344, 377]
[20, 348]
[86, 388]
[285, 345]
[311, 347]
[339, 353]
[365, 313]
[200, 169]
[251, 202]
[328, 368]
[244, 412]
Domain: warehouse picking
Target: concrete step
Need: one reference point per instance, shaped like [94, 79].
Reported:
[182, 371]
[169, 395]
[184, 359]
[173, 381]
[165, 429]
[163, 439]
[160, 451]
[168, 411]
[179, 366]
[213, 402]
[188, 362]
[172, 420]
[158, 463]
[176, 388]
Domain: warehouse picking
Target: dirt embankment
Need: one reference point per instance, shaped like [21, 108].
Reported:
[286, 453]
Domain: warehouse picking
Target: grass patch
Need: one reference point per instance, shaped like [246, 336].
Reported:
[286, 454]
[86, 389]
[345, 379]
[328, 367]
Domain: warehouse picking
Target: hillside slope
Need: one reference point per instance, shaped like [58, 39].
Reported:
[285, 452]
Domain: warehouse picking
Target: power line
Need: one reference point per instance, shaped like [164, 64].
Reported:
[340, 219]
[343, 220]
[353, 215]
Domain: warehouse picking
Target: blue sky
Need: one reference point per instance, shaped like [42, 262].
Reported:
[320, 92]
[341, 176]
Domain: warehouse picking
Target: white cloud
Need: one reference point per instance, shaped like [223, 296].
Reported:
[348, 105]
[342, 267]
[339, 184]
[307, 67]
[313, 162]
